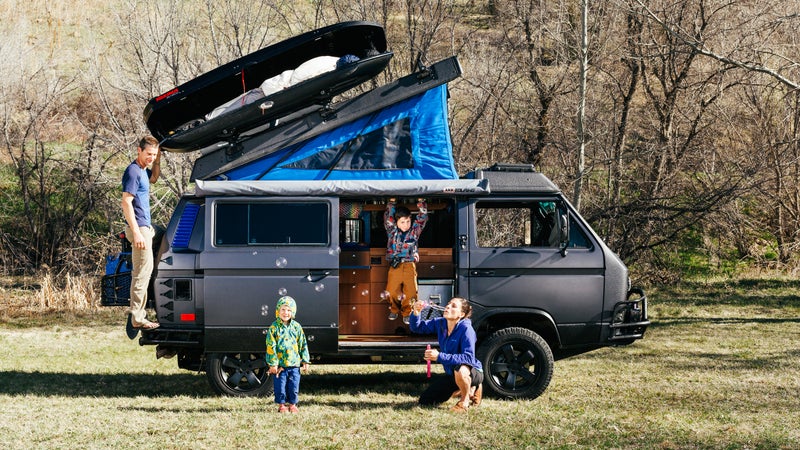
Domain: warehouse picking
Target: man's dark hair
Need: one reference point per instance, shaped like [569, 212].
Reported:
[401, 211]
[148, 141]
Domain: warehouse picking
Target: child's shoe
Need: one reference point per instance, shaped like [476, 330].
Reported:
[293, 408]
[283, 408]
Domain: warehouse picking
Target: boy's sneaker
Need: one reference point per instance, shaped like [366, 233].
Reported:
[283, 408]
[406, 320]
[392, 316]
[293, 408]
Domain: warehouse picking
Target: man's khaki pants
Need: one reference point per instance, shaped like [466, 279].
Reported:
[140, 275]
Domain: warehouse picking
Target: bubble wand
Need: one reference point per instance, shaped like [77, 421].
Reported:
[429, 362]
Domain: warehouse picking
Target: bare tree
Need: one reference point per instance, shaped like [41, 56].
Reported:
[581, 132]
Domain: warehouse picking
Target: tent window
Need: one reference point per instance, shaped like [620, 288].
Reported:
[388, 147]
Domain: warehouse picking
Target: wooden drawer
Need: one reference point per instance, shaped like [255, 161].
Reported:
[353, 276]
[435, 270]
[355, 293]
[380, 323]
[367, 319]
[354, 258]
[378, 274]
[377, 257]
[439, 255]
[353, 319]
[376, 289]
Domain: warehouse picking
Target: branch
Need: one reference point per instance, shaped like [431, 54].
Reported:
[698, 46]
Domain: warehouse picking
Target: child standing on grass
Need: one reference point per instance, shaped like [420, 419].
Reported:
[287, 353]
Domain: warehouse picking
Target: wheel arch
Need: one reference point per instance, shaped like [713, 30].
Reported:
[540, 322]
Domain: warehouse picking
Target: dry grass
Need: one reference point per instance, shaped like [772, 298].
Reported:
[75, 293]
[26, 301]
[720, 368]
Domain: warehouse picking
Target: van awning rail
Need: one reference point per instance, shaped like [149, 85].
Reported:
[342, 188]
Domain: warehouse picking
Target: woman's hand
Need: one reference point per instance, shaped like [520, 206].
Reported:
[418, 306]
[432, 355]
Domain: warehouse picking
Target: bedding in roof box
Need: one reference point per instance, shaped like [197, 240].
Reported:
[290, 76]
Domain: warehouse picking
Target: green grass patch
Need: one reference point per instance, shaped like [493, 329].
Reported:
[719, 368]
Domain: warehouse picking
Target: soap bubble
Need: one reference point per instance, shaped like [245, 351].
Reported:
[281, 262]
[401, 297]
[319, 287]
[334, 251]
[264, 310]
[385, 295]
[355, 322]
[365, 292]
[282, 291]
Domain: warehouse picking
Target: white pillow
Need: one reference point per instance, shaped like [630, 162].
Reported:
[313, 67]
[277, 83]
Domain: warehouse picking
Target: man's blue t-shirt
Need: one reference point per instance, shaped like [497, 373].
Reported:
[136, 181]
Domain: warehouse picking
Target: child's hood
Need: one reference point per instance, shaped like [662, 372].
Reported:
[288, 301]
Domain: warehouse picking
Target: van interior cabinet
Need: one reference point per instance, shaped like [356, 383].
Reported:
[363, 308]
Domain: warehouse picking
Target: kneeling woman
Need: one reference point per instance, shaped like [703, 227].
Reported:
[463, 371]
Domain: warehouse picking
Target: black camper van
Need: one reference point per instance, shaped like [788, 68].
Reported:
[293, 205]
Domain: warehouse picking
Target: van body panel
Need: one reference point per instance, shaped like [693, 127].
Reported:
[567, 286]
[245, 280]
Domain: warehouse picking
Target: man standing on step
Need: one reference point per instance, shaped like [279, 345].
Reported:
[139, 229]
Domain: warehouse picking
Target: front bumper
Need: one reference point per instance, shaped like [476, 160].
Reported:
[629, 320]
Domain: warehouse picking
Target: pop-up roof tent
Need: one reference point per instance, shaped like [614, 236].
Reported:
[398, 131]
[407, 140]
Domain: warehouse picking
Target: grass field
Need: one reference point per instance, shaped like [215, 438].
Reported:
[720, 368]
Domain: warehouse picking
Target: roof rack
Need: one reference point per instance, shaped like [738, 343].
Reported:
[509, 167]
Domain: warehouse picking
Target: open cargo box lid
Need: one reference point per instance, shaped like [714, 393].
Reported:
[393, 132]
[178, 117]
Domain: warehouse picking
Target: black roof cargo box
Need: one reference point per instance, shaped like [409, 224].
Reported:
[180, 117]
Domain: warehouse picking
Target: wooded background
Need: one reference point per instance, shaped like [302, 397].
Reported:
[687, 160]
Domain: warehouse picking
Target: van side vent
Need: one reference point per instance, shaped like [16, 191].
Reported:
[185, 225]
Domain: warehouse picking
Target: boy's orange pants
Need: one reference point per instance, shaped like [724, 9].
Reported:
[401, 283]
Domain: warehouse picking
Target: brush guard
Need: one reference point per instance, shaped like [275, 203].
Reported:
[629, 320]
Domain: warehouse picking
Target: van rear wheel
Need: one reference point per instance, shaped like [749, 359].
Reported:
[239, 374]
[517, 363]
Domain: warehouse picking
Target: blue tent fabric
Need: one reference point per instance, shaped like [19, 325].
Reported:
[407, 140]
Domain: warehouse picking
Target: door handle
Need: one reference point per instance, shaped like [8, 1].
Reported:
[314, 276]
[482, 273]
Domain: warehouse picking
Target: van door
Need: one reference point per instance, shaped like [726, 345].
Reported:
[261, 249]
[516, 265]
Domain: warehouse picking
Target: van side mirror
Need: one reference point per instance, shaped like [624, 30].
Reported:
[563, 232]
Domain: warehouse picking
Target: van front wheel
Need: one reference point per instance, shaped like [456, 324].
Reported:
[239, 374]
[517, 363]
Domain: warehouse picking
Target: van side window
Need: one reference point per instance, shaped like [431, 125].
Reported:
[263, 223]
[524, 223]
